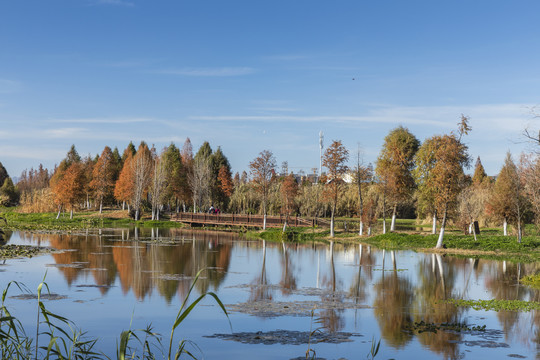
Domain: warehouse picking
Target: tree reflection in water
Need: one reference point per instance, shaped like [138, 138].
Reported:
[436, 284]
[152, 263]
[288, 278]
[330, 318]
[260, 290]
[393, 302]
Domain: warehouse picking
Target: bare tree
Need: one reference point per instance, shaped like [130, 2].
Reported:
[158, 185]
[142, 174]
[262, 170]
[335, 160]
[362, 175]
[198, 182]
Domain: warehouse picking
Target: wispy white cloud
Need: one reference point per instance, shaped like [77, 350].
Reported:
[105, 120]
[63, 133]
[208, 72]
[503, 118]
[316, 118]
[29, 152]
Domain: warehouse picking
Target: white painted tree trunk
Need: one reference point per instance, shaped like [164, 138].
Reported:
[369, 231]
[264, 222]
[393, 223]
[71, 214]
[441, 234]
[441, 238]
[470, 228]
[332, 226]
[285, 226]
[59, 211]
[123, 205]
[505, 227]
[101, 207]
[361, 231]
[384, 226]
[434, 224]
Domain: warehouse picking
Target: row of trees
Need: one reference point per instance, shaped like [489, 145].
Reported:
[424, 178]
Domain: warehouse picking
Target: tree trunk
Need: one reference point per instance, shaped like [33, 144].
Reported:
[384, 216]
[136, 214]
[473, 229]
[59, 211]
[393, 223]
[123, 205]
[361, 231]
[369, 231]
[157, 214]
[519, 230]
[264, 221]
[434, 223]
[101, 207]
[332, 221]
[71, 213]
[441, 234]
[505, 227]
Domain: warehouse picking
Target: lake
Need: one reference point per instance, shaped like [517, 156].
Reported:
[277, 294]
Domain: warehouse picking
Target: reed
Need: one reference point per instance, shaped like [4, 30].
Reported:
[57, 337]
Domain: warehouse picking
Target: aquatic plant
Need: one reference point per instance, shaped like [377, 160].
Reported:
[497, 305]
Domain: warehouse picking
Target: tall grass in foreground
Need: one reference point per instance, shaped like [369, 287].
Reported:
[58, 338]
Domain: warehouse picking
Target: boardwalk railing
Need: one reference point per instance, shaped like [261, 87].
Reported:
[247, 220]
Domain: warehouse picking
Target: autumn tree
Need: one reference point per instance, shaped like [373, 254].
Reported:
[70, 188]
[103, 177]
[123, 189]
[447, 177]
[508, 201]
[218, 161]
[288, 190]
[225, 182]
[362, 175]
[262, 170]
[479, 175]
[58, 187]
[394, 166]
[335, 160]
[530, 168]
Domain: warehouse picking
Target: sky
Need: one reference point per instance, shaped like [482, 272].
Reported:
[248, 76]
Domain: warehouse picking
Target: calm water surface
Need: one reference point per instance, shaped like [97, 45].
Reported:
[113, 277]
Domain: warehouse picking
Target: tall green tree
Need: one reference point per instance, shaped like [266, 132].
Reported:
[394, 167]
[175, 175]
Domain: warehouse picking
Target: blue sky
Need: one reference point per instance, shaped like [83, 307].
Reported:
[255, 75]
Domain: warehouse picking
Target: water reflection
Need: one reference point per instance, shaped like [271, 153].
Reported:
[141, 267]
[400, 288]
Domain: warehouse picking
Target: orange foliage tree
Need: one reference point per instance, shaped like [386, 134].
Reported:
[103, 177]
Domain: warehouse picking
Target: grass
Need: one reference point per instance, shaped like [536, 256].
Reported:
[81, 220]
[58, 338]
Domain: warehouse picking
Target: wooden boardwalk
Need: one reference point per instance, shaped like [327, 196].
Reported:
[246, 220]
